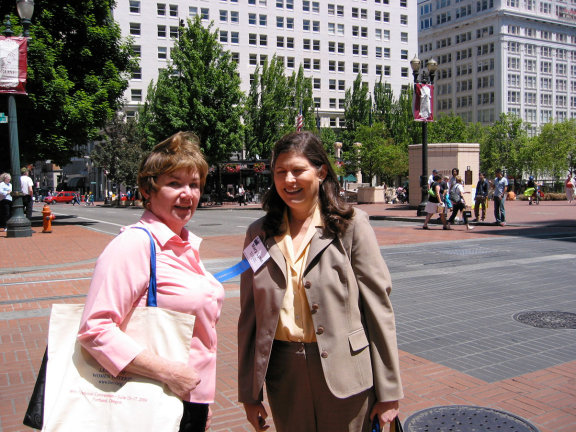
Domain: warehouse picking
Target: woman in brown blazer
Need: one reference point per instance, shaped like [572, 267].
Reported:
[316, 323]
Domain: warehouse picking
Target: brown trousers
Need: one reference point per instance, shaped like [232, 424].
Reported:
[299, 397]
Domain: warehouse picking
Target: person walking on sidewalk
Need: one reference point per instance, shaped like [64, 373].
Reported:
[500, 190]
[481, 197]
[316, 323]
[5, 199]
[435, 202]
[27, 190]
[171, 180]
[458, 203]
[569, 187]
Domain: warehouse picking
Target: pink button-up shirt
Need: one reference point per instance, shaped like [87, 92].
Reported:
[120, 282]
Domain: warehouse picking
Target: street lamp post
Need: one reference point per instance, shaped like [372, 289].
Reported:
[426, 76]
[18, 225]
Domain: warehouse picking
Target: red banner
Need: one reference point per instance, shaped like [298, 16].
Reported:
[424, 102]
[13, 64]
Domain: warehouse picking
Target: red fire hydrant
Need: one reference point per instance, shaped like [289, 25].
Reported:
[47, 218]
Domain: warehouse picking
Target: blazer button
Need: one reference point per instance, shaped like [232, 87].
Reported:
[324, 354]
[307, 284]
[320, 330]
[315, 307]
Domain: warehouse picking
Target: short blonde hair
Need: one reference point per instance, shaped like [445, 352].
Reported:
[4, 175]
[181, 150]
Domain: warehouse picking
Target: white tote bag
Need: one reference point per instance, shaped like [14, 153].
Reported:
[82, 395]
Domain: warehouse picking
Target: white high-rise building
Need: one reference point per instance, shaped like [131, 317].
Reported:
[334, 40]
[510, 56]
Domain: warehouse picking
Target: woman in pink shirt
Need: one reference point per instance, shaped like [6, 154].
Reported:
[171, 180]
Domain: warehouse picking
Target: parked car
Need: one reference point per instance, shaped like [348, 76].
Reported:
[60, 197]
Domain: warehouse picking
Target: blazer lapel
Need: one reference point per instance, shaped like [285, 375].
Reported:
[318, 243]
[276, 254]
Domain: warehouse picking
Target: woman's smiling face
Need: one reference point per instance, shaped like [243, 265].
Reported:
[176, 199]
[297, 182]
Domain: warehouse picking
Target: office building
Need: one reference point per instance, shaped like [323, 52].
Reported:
[334, 41]
[502, 56]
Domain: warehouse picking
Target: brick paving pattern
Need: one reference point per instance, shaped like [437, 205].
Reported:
[55, 268]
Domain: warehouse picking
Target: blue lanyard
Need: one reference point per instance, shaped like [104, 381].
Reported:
[233, 271]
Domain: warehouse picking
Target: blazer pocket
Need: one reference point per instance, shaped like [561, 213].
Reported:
[358, 340]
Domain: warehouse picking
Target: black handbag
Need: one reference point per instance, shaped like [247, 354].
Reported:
[396, 425]
[34, 416]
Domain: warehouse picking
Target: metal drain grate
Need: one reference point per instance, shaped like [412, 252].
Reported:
[468, 251]
[463, 418]
[547, 319]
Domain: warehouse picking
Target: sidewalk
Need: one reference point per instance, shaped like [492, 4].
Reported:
[55, 268]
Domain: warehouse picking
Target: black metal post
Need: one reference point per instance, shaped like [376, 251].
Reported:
[18, 225]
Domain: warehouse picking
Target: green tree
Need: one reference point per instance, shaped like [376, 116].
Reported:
[504, 146]
[301, 91]
[447, 129]
[199, 91]
[78, 68]
[356, 105]
[119, 151]
[378, 155]
[553, 151]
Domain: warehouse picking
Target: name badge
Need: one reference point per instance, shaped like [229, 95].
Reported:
[256, 254]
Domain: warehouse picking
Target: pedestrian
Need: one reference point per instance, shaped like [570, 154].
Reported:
[241, 195]
[481, 197]
[75, 199]
[431, 178]
[27, 191]
[435, 202]
[171, 179]
[500, 190]
[458, 202]
[569, 187]
[5, 199]
[452, 181]
[316, 324]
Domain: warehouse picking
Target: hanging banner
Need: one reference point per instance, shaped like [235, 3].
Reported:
[13, 64]
[424, 102]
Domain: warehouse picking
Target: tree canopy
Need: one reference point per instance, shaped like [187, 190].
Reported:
[77, 72]
[200, 92]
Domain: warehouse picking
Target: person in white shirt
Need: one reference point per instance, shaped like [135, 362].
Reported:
[27, 184]
[5, 199]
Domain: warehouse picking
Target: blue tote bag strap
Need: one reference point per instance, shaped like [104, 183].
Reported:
[151, 298]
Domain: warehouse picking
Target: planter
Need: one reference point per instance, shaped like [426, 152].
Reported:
[370, 195]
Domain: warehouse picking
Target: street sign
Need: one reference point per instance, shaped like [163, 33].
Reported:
[3, 118]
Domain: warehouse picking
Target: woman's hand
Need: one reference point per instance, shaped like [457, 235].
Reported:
[180, 378]
[209, 418]
[256, 415]
[386, 411]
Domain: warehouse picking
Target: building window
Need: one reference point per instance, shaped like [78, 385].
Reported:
[403, 19]
[235, 37]
[136, 95]
[234, 17]
[161, 31]
[174, 10]
[137, 73]
[263, 40]
[135, 6]
[316, 83]
[161, 9]
[135, 29]
[223, 36]
[404, 37]
[223, 15]
[263, 20]
[162, 53]
[252, 39]
[253, 59]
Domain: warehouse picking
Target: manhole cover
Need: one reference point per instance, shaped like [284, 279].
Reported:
[547, 319]
[462, 418]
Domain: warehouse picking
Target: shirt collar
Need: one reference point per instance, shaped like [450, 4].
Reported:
[163, 234]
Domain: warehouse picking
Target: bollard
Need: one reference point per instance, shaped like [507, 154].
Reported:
[47, 218]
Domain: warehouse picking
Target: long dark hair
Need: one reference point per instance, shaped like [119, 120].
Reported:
[335, 211]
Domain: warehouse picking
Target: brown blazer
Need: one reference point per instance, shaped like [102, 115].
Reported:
[347, 284]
